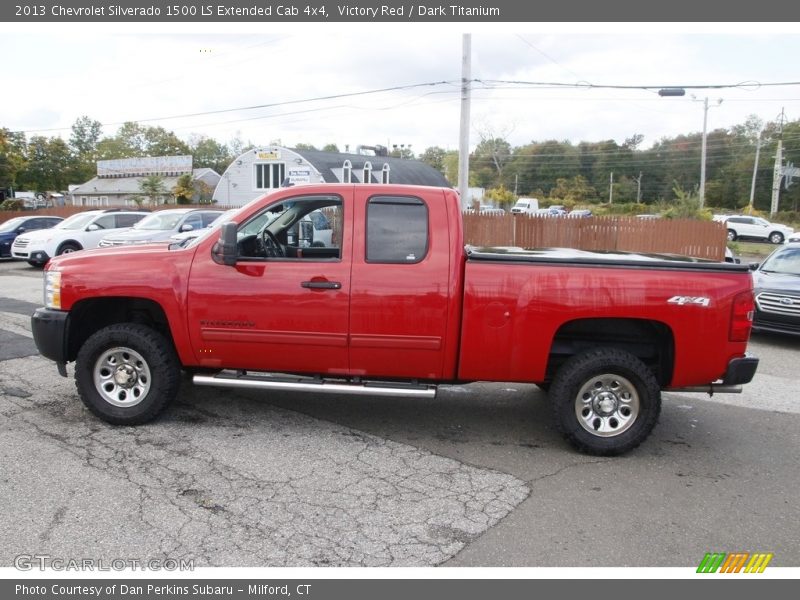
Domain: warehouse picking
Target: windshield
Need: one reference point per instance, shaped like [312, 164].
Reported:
[11, 224]
[160, 221]
[78, 221]
[786, 262]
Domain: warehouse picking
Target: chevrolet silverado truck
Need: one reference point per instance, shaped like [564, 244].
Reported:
[396, 305]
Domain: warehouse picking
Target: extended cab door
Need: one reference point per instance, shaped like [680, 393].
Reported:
[282, 307]
[400, 284]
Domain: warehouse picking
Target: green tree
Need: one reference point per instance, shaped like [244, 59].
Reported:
[304, 147]
[330, 148]
[49, 164]
[12, 158]
[152, 187]
[83, 142]
[209, 153]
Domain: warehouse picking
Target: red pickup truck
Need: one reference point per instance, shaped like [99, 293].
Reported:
[393, 304]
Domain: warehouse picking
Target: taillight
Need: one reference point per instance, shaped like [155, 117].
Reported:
[744, 306]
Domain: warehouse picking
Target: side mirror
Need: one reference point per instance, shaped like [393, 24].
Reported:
[224, 251]
[187, 227]
[754, 266]
[93, 227]
[21, 230]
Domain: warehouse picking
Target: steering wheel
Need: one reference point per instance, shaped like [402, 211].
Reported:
[272, 247]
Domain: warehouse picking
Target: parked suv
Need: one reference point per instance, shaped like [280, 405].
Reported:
[161, 225]
[757, 228]
[19, 225]
[81, 231]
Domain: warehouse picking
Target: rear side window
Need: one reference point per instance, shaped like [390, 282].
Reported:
[397, 229]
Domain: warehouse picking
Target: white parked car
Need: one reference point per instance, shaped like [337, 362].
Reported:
[81, 231]
[793, 239]
[744, 226]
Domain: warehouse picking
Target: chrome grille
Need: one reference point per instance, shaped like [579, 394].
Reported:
[780, 304]
[21, 243]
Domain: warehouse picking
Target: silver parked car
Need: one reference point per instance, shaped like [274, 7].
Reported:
[162, 225]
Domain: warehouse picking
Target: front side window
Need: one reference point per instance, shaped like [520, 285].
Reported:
[293, 229]
[105, 222]
[128, 220]
[269, 176]
[397, 229]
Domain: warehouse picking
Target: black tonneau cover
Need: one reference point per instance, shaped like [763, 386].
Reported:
[598, 258]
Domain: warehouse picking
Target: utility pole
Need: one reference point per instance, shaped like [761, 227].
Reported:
[611, 188]
[463, 142]
[755, 172]
[639, 188]
[777, 173]
[702, 191]
[703, 156]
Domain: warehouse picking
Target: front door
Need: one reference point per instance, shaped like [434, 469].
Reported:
[282, 307]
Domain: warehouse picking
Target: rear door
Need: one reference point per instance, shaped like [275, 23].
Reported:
[400, 285]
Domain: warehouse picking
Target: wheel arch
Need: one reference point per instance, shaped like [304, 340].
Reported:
[652, 341]
[93, 314]
[67, 242]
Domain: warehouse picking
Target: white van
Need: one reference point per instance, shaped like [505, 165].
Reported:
[525, 206]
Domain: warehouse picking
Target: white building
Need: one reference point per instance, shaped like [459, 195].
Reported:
[262, 170]
[118, 181]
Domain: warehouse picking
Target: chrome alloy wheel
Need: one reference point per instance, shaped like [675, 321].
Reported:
[122, 377]
[607, 405]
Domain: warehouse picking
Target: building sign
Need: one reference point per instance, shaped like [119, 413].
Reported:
[166, 166]
[271, 155]
[297, 176]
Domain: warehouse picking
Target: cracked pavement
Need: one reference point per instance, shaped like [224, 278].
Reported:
[231, 483]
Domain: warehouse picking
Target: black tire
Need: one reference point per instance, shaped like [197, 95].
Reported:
[127, 373]
[605, 401]
[67, 248]
[36, 265]
[732, 237]
[776, 237]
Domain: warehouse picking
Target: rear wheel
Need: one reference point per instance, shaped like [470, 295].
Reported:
[605, 401]
[732, 235]
[127, 373]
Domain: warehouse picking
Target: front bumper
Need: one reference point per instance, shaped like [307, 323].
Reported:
[50, 330]
[35, 256]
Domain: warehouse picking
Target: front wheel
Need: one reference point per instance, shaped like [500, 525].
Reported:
[127, 373]
[776, 237]
[68, 248]
[605, 401]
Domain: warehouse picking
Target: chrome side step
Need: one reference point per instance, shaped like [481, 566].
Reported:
[244, 380]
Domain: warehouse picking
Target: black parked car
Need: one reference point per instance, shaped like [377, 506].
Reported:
[13, 227]
[777, 289]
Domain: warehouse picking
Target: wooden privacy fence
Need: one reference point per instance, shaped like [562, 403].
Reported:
[687, 237]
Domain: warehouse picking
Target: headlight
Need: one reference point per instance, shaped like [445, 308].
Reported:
[52, 289]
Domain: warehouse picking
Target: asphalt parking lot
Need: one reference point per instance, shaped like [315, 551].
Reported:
[477, 477]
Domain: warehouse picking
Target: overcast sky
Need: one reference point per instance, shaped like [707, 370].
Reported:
[53, 75]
